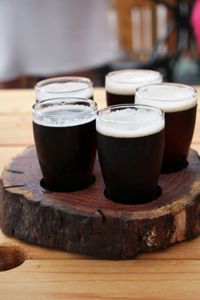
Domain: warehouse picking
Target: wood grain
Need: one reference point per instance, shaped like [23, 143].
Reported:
[19, 102]
[87, 279]
[84, 221]
[53, 274]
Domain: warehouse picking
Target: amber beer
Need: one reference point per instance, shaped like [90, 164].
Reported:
[121, 85]
[179, 103]
[69, 86]
[65, 140]
[130, 141]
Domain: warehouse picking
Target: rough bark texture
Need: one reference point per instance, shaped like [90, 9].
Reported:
[86, 222]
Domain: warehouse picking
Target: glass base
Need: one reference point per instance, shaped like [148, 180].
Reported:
[135, 199]
[173, 167]
[77, 186]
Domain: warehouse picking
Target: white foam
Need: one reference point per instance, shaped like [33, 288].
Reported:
[168, 96]
[64, 116]
[129, 123]
[67, 89]
[125, 82]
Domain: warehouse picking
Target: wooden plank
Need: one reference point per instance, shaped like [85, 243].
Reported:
[53, 274]
[16, 122]
[6, 153]
[173, 38]
[16, 130]
[124, 23]
[19, 102]
[88, 280]
[196, 146]
[16, 101]
[100, 97]
[151, 26]
[154, 23]
[118, 270]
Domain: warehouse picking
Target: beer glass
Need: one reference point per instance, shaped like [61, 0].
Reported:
[130, 140]
[65, 140]
[121, 85]
[73, 86]
[179, 103]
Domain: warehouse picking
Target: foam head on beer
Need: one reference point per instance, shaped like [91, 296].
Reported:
[170, 97]
[130, 122]
[125, 82]
[64, 87]
[179, 102]
[64, 116]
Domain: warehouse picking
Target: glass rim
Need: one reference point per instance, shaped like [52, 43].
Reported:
[193, 95]
[112, 74]
[40, 84]
[101, 111]
[67, 100]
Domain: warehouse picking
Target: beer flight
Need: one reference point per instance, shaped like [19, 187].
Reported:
[146, 128]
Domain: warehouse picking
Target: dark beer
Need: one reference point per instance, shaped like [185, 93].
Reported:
[61, 87]
[179, 128]
[113, 99]
[130, 146]
[121, 85]
[65, 140]
[179, 103]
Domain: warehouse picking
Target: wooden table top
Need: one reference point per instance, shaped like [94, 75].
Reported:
[52, 274]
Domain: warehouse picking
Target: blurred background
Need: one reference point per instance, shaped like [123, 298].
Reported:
[45, 38]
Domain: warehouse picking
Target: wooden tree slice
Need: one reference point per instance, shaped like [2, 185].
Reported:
[86, 222]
